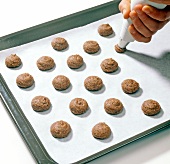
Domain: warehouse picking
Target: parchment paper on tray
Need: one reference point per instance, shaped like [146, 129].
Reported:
[148, 64]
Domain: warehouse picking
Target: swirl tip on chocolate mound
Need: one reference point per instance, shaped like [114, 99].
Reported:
[118, 49]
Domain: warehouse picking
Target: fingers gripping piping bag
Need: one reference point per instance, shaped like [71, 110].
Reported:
[125, 36]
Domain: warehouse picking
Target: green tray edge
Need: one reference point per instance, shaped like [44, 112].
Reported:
[59, 25]
[23, 125]
[139, 136]
[33, 142]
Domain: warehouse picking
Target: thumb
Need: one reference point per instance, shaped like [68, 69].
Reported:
[124, 7]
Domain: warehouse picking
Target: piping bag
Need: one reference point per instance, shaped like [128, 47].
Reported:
[125, 36]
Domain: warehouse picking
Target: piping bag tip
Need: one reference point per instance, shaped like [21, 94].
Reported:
[119, 49]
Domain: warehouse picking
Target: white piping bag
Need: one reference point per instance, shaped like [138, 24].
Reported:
[125, 36]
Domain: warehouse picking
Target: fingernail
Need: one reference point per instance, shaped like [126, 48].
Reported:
[124, 11]
[147, 9]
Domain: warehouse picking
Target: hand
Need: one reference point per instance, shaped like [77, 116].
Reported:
[124, 7]
[146, 20]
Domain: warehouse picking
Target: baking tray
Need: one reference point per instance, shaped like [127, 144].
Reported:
[44, 30]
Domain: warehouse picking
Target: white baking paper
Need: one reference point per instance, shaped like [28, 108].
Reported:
[148, 64]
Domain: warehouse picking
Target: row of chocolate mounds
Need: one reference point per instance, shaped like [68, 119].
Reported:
[76, 61]
[79, 106]
[90, 46]
[91, 83]
[61, 129]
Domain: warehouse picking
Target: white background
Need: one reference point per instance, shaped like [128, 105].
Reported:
[17, 15]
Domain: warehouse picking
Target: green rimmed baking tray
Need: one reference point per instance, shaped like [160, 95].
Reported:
[41, 31]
